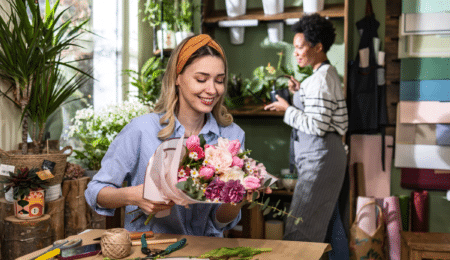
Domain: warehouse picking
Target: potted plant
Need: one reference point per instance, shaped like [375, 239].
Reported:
[31, 60]
[96, 130]
[148, 80]
[269, 78]
[236, 95]
[184, 20]
[165, 25]
[28, 192]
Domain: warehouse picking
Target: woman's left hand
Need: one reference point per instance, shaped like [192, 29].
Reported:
[280, 105]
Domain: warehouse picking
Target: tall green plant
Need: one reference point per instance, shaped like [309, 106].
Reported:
[185, 14]
[30, 45]
[152, 13]
[148, 80]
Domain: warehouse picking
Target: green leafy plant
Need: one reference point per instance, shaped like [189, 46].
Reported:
[152, 13]
[263, 80]
[236, 94]
[184, 17]
[31, 45]
[22, 182]
[148, 80]
[96, 130]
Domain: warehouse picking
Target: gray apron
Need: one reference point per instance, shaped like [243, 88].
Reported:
[321, 162]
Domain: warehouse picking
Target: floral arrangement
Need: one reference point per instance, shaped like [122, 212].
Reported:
[73, 171]
[222, 173]
[96, 130]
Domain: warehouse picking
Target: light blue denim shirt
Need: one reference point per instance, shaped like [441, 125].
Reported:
[127, 159]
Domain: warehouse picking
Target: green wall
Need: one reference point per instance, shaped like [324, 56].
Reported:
[426, 69]
[268, 137]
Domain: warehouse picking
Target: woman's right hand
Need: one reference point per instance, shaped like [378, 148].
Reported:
[293, 84]
[148, 206]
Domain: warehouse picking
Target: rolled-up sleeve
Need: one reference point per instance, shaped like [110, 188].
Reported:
[120, 160]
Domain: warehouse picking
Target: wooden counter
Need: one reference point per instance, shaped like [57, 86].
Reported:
[199, 245]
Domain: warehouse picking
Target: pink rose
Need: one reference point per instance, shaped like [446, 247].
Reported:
[182, 179]
[251, 183]
[234, 147]
[219, 158]
[207, 171]
[238, 162]
[192, 142]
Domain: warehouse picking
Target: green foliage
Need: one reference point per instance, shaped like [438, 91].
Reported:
[22, 182]
[236, 93]
[31, 44]
[185, 14]
[96, 130]
[148, 80]
[152, 13]
[240, 252]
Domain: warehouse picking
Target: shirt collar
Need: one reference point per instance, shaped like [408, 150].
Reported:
[210, 126]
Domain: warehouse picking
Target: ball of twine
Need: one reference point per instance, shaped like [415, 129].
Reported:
[116, 243]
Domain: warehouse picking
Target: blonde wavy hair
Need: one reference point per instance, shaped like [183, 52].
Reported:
[168, 102]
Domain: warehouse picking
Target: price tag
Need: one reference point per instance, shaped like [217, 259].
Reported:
[5, 169]
[48, 165]
[45, 174]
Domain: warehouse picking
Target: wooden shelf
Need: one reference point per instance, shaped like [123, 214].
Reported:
[255, 110]
[330, 10]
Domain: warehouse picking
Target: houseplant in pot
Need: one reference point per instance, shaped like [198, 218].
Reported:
[165, 25]
[28, 192]
[31, 60]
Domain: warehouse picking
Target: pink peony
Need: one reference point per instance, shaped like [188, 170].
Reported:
[223, 143]
[232, 192]
[207, 171]
[219, 158]
[192, 142]
[234, 147]
[251, 183]
[213, 190]
[237, 162]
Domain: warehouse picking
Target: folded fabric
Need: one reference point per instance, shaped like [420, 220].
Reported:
[415, 178]
[442, 134]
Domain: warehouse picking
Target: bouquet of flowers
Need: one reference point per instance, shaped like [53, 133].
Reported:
[223, 173]
[191, 171]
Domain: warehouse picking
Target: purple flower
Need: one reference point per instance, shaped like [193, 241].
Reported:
[214, 188]
[232, 192]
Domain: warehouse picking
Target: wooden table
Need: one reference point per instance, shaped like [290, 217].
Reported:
[417, 245]
[199, 245]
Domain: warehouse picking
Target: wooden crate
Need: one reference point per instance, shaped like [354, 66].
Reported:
[416, 245]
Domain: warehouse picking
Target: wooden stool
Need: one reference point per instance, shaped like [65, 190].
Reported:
[23, 236]
[418, 246]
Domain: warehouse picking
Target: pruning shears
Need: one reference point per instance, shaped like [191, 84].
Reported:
[152, 254]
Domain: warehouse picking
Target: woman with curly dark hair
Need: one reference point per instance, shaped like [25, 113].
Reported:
[319, 120]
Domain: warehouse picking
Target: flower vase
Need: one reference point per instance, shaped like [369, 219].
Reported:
[313, 6]
[275, 31]
[181, 35]
[32, 206]
[273, 6]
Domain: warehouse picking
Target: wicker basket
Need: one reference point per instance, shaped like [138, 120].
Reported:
[19, 160]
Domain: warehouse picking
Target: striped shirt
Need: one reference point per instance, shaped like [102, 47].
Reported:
[325, 109]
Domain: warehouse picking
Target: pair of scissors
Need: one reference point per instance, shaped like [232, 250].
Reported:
[172, 248]
[62, 244]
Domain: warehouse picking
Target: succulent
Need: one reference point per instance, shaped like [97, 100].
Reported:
[73, 171]
[23, 182]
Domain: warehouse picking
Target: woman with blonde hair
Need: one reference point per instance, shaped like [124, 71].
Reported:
[191, 103]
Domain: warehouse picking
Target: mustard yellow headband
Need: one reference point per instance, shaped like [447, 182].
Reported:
[192, 45]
